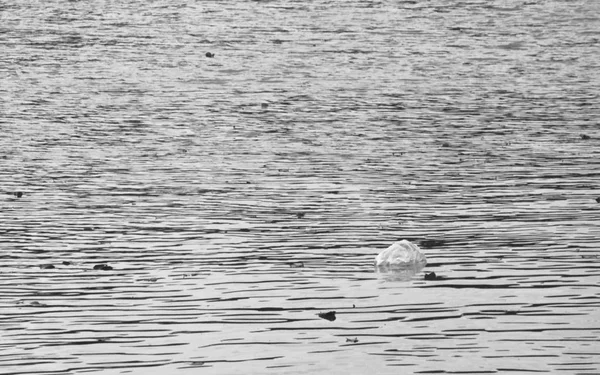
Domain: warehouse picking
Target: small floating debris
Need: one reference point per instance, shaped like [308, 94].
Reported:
[511, 312]
[103, 267]
[598, 200]
[66, 263]
[300, 215]
[328, 316]
[354, 340]
[432, 276]
[296, 265]
[47, 266]
[264, 105]
[210, 55]
[149, 279]
[585, 137]
[18, 194]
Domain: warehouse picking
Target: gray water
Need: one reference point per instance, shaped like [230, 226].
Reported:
[238, 196]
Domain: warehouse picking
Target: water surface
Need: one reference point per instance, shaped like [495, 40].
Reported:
[238, 196]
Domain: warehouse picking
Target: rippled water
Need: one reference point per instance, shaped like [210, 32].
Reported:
[238, 196]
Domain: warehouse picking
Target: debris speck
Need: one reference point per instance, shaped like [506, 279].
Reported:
[103, 267]
[328, 316]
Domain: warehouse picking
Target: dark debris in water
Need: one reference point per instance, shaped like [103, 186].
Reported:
[432, 276]
[149, 279]
[328, 316]
[47, 266]
[354, 340]
[18, 194]
[103, 267]
[296, 265]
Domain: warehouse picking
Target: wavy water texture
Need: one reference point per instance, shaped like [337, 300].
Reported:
[181, 213]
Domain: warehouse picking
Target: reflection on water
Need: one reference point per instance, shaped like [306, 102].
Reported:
[234, 198]
[405, 273]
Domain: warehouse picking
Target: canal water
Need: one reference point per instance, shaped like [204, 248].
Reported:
[186, 185]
